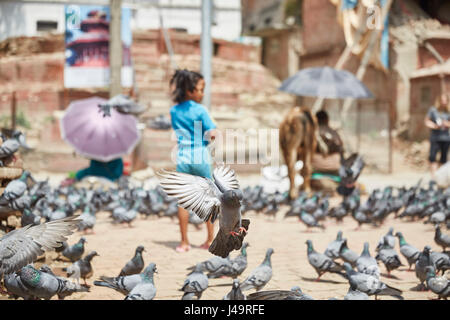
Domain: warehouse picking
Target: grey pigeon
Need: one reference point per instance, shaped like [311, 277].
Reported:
[135, 265]
[127, 216]
[145, 290]
[22, 246]
[441, 261]
[234, 268]
[70, 287]
[321, 263]
[294, 294]
[82, 268]
[15, 189]
[441, 239]
[438, 285]
[236, 292]
[408, 251]
[389, 257]
[44, 285]
[348, 255]
[88, 219]
[388, 240]
[332, 250]
[366, 263]
[212, 265]
[75, 252]
[11, 146]
[369, 284]
[195, 284]
[355, 295]
[28, 217]
[15, 287]
[259, 276]
[309, 221]
[422, 263]
[209, 199]
[124, 284]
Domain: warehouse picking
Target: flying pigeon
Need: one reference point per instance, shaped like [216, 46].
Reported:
[22, 246]
[209, 199]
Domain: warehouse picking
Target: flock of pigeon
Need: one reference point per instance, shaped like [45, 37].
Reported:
[49, 215]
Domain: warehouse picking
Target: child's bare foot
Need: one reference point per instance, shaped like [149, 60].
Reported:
[183, 247]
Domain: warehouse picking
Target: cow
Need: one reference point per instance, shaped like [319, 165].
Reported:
[298, 142]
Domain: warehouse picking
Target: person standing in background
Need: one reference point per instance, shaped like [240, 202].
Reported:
[438, 120]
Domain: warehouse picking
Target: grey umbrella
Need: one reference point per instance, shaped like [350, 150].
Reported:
[326, 82]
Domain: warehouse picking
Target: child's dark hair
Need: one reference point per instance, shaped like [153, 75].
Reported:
[322, 118]
[182, 81]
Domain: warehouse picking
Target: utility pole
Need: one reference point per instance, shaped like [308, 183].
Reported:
[115, 48]
[206, 50]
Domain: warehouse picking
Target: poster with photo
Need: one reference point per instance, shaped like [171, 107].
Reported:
[87, 47]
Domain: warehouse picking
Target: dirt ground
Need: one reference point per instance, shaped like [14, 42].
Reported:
[160, 236]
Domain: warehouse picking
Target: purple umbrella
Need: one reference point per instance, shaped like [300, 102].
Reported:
[97, 135]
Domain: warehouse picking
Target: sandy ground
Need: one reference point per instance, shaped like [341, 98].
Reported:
[160, 236]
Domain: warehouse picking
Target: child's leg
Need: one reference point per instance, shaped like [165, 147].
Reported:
[209, 235]
[183, 218]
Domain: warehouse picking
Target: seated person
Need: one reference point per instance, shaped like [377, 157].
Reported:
[111, 170]
[326, 166]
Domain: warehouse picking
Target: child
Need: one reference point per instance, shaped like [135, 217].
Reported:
[191, 121]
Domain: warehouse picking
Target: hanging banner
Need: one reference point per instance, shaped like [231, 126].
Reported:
[87, 47]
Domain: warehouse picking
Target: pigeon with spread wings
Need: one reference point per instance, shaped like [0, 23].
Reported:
[210, 199]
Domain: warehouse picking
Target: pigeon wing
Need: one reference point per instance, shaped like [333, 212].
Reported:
[22, 246]
[225, 178]
[194, 193]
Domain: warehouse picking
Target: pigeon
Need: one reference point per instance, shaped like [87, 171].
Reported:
[259, 276]
[355, 295]
[135, 265]
[348, 255]
[15, 189]
[408, 251]
[294, 294]
[28, 217]
[123, 104]
[235, 293]
[361, 218]
[127, 216]
[389, 257]
[321, 263]
[212, 265]
[309, 221]
[441, 261]
[124, 284]
[88, 219]
[145, 290]
[44, 285]
[438, 285]
[11, 146]
[71, 288]
[82, 268]
[332, 251]
[422, 262]
[195, 284]
[367, 264]
[16, 288]
[369, 284]
[234, 268]
[75, 252]
[22, 246]
[209, 199]
[441, 239]
[387, 241]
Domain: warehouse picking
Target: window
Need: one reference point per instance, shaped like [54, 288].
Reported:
[46, 25]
